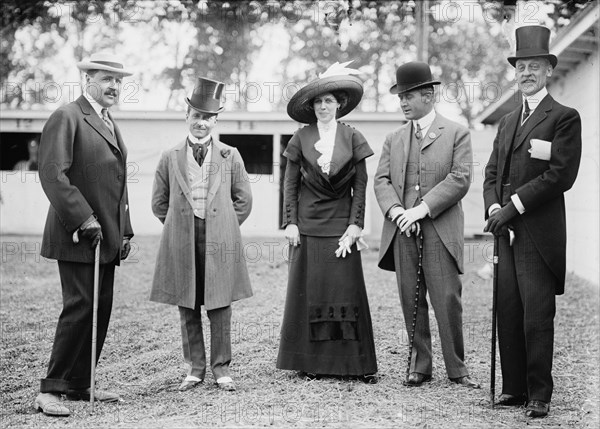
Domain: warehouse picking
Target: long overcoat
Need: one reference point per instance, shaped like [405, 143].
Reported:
[445, 171]
[540, 184]
[229, 201]
[83, 171]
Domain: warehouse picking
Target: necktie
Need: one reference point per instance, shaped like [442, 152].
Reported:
[199, 151]
[418, 132]
[526, 111]
[107, 121]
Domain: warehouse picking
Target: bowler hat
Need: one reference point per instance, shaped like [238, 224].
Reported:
[104, 61]
[206, 96]
[532, 42]
[335, 78]
[413, 75]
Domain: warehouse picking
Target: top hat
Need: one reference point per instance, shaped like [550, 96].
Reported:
[413, 75]
[206, 96]
[335, 78]
[532, 42]
[104, 61]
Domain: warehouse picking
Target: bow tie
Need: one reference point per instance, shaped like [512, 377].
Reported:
[199, 151]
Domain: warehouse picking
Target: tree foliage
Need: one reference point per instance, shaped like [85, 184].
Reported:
[226, 40]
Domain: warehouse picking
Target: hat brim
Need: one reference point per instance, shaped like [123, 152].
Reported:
[398, 90]
[300, 109]
[219, 110]
[550, 57]
[88, 65]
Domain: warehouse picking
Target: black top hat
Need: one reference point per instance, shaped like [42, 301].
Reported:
[413, 75]
[532, 42]
[206, 96]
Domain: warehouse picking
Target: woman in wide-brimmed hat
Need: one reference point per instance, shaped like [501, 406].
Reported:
[326, 326]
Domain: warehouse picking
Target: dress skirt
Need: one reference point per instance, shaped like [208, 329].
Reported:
[326, 323]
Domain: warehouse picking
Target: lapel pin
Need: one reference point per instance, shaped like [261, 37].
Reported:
[432, 135]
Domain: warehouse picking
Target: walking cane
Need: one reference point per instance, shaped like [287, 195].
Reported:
[95, 324]
[494, 310]
[411, 338]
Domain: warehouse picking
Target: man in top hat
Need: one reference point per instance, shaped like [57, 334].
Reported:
[534, 160]
[423, 174]
[202, 195]
[82, 167]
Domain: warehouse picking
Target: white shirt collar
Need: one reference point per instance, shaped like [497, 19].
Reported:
[535, 99]
[425, 122]
[326, 126]
[203, 140]
[95, 105]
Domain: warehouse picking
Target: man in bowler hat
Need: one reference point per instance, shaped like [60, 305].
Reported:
[423, 174]
[534, 161]
[202, 195]
[82, 165]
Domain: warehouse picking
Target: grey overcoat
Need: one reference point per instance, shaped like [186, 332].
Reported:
[229, 202]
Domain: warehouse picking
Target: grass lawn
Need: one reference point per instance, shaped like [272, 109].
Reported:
[142, 358]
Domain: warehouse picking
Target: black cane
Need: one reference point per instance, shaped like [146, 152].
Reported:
[411, 338]
[494, 310]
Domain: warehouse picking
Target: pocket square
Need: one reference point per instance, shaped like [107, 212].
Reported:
[540, 149]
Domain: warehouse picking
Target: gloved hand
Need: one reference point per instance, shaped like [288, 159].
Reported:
[91, 230]
[412, 215]
[292, 233]
[499, 218]
[125, 248]
[353, 232]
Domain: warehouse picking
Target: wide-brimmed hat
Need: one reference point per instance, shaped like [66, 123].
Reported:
[104, 61]
[533, 42]
[206, 96]
[336, 78]
[413, 75]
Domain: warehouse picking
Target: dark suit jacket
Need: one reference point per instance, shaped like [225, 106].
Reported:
[325, 204]
[539, 184]
[82, 169]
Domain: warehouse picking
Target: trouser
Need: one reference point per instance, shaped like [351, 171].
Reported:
[70, 361]
[441, 280]
[526, 309]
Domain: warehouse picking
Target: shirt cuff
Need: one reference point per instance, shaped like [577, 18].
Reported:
[518, 204]
[427, 207]
[494, 207]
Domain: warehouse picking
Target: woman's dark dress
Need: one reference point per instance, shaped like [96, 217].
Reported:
[326, 324]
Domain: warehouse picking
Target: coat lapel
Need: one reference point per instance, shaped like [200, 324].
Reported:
[92, 118]
[434, 131]
[179, 162]
[539, 114]
[216, 170]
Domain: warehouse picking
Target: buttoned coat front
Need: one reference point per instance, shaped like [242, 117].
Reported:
[540, 184]
[445, 171]
[83, 171]
[229, 201]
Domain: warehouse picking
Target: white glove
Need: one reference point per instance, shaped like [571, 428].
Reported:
[410, 216]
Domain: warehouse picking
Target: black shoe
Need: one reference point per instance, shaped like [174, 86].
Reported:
[308, 375]
[508, 400]
[537, 409]
[369, 378]
[415, 379]
[466, 381]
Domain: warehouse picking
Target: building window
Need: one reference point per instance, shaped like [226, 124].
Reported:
[19, 151]
[256, 151]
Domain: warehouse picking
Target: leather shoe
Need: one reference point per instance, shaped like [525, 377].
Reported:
[188, 383]
[508, 400]
[369, 378]
[466, 381]
[537, 409]
[49, 404]
[99, 395]
[415, 379]
[226, 383]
